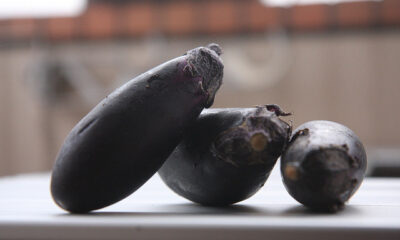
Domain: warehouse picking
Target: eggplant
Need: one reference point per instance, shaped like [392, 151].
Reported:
[126, 138]
[226, 155]
[324, 165]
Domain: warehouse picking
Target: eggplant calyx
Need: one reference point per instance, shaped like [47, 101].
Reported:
[277, 110]
[205, 62]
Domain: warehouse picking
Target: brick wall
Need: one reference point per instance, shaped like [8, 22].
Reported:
[104, 20]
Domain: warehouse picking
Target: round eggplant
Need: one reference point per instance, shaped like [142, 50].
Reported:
[126, 138]
[227, 155]
[323, 165]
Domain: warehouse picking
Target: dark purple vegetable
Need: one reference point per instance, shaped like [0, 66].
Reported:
[323, 165]
[126, 138]
[227, 155]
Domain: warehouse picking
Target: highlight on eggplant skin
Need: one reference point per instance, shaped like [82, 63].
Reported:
[323, 165]
[226, 156]
[126, 138]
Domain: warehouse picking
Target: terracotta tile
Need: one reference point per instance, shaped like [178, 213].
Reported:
[4, 29]
[99, 21]
[62, 28]
[355, 14]
[309, 17]
[262, 18]
[220, 16]
[179, 17]
[22, 28]
[139, 19]
[390, 12]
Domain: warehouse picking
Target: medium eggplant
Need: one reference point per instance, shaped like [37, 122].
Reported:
[323, 165]
[126, 138]
[227, 155]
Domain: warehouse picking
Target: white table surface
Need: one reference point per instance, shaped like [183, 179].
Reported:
[154, 212]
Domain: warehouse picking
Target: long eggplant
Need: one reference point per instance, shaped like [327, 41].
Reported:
[126, 138]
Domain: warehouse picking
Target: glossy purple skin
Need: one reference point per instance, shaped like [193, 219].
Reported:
[126, 138]
[324, 165]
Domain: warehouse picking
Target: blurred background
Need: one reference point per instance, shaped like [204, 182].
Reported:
[320, 59]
